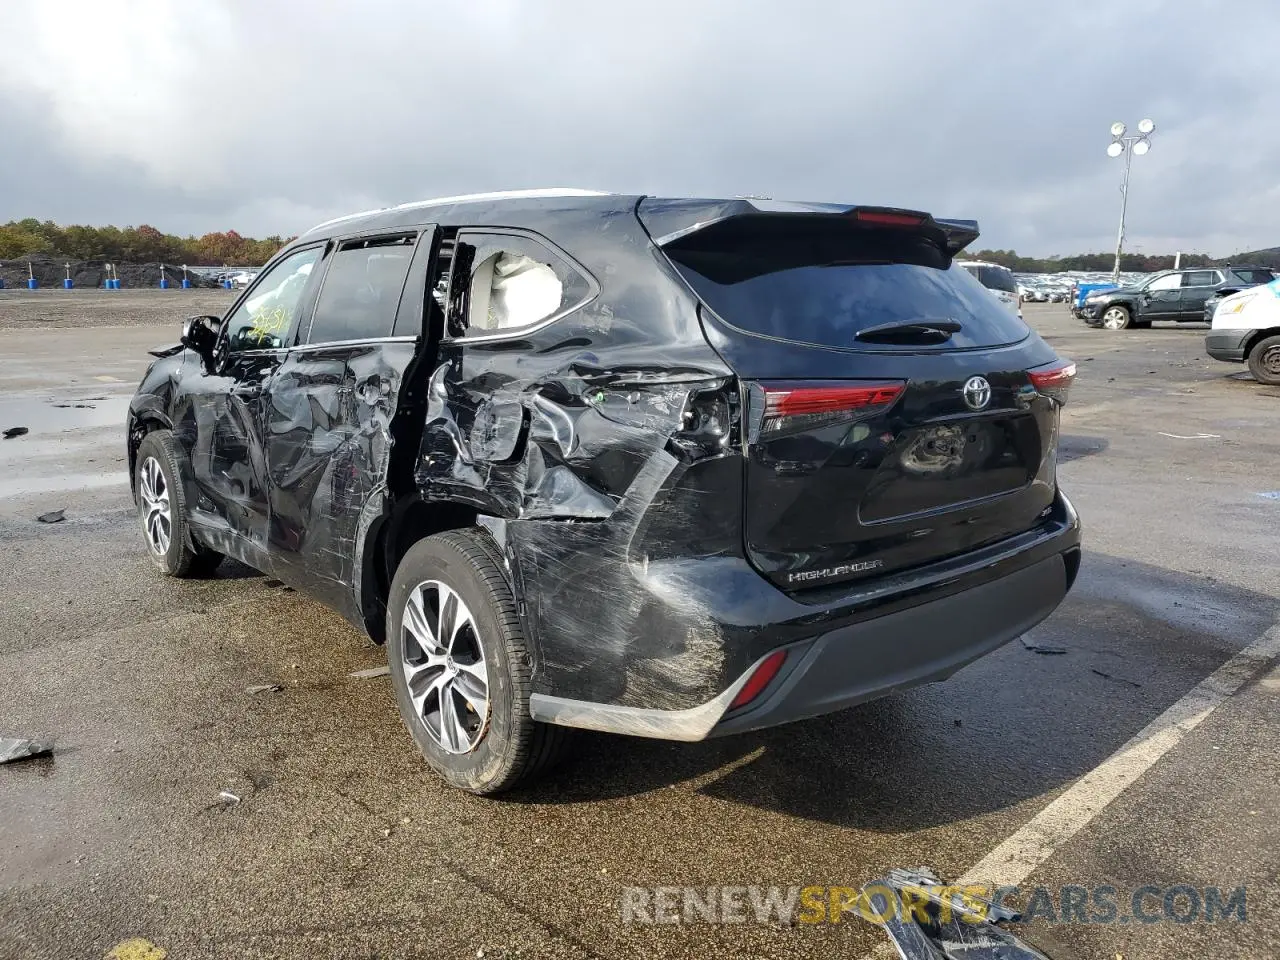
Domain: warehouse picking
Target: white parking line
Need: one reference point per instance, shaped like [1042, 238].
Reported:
[1010, 863]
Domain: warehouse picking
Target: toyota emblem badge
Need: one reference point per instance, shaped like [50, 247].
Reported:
[977, 393]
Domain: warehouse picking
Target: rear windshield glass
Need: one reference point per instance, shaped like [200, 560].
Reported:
[821, 282]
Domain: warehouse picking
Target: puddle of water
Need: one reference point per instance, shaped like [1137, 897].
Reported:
[24, 486]
[43, 415]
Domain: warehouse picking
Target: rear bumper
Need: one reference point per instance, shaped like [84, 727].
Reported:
[846, 645]
[1227, 344]
[919, 645]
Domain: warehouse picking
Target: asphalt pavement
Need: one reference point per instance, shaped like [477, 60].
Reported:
[1125, 743]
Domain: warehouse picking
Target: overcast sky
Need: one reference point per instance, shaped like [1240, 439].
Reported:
[267, 116]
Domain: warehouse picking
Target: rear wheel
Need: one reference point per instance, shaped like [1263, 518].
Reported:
[460, 665]
[1264, 361]
[162, 510]
[1116, 318]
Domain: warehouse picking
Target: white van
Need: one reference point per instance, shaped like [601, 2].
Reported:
[1246, 328]
[999, 280]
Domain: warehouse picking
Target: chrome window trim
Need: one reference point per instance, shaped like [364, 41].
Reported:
[364, 341]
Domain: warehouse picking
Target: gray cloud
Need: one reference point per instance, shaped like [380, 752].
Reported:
[268, 116]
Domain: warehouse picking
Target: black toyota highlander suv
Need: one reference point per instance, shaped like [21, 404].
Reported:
[670, 468]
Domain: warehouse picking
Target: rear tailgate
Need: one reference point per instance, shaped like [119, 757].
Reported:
[870, 456]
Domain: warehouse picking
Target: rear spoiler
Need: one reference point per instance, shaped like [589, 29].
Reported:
[669, 220]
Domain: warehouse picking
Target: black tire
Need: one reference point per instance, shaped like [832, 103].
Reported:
[1116, 317]
[178, 558]
[1264, 361]
[511, 745]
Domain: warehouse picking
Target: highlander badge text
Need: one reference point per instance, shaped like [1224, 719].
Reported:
[839, 571]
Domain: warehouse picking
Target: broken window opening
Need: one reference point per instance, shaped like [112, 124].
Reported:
[507, 282]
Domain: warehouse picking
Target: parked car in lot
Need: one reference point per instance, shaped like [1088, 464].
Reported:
[669, 468]
[1251, 277]
[1178, 295]
[1032, 294]
[999, 280]
[1246, 329]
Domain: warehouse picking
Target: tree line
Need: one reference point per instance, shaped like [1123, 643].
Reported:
[144, 244]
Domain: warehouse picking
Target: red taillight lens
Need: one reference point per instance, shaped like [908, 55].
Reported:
[791, 406]
[888, 218]
[758, 680]
[1054, 379]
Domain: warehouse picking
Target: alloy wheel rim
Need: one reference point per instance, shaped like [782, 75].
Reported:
[1113, 320]
[157, 514]
[444, 667]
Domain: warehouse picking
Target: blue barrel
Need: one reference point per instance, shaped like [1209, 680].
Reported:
[115, 283]
[226, 284]
[186, 284]
[164, 284]
[32, 283]
[67, 284]
[1, 283]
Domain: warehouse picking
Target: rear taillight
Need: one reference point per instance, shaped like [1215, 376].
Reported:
[787, 406]
[1053, 379]
[759, 679]
[889, 218]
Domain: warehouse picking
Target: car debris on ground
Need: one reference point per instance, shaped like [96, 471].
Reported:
[18, 748]
[956, 926]
[371, 673]
[1044, 649]
[53, 516]
[12, 432]
[263, 688]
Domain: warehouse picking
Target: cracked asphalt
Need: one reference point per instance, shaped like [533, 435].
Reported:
[342, 844]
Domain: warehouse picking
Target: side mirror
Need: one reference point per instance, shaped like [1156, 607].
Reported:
[200, 334]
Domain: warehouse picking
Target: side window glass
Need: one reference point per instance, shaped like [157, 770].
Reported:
[1201, 278]
[1170, 282]
[362, 290]
[503, 282]
[263, 321]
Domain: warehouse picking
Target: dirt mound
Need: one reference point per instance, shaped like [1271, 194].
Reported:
[87, 274]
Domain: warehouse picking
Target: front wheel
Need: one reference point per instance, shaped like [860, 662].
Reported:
[162, 510]
[1116, 318]
[1264, 361]
[461, 667]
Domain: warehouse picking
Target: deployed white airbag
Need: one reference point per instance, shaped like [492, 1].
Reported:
[512, 290]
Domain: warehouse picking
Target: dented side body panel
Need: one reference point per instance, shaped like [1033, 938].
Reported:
[590, 440]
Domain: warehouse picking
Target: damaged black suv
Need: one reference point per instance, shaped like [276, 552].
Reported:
[670, 468]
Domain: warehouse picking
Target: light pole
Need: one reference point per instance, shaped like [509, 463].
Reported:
[1128, 146]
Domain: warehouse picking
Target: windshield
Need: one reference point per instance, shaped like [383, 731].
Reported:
[821, 284]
